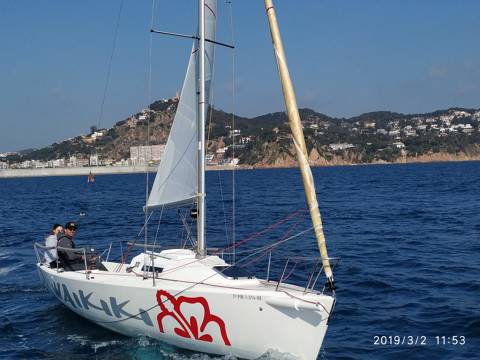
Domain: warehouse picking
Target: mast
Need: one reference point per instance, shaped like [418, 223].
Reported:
[298, 139]
[201, 131]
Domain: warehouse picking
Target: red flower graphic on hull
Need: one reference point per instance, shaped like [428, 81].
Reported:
[192, 327]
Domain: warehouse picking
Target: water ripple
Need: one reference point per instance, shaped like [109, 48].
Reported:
[408, 235]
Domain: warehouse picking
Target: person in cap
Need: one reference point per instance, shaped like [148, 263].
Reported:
[66, 240]
[70, 260]
[51, 245]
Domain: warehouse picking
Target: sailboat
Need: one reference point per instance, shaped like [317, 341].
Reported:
[187, 297]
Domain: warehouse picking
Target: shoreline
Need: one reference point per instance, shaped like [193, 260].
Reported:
[115, 170]
[424, 159]
[85, 171]
[74, 171]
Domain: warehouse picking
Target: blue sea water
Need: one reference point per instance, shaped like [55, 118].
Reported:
[408, 237]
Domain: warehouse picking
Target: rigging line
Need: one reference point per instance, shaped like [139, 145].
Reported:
[158, 227]
[185, 289]
[255, 251]
[210, 121]
[190, 37]
[273, 245]
[149, 95]
[155, 243]
[270, 227]
[243, 259]
[291, 271]
[218, 172]
[110, 63]
[276, 244]
[186, 232]
[107, 81]
[233, 127]
[189, 230]
[223, 206]
[130, 247]
[143, 226]
[211, 101]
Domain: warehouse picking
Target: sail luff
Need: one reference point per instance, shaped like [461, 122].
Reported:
[177, 180]
[298, 138]
[175, 183]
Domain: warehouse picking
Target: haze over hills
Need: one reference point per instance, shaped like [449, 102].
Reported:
[265, 140]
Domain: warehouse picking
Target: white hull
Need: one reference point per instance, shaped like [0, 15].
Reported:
[244, 317]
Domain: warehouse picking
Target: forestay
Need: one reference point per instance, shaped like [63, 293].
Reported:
[176, 180]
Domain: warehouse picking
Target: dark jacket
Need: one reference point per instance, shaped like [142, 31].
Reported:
[66, 241]
[72, 261]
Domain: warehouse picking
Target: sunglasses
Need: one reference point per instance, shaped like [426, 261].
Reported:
[72, 229]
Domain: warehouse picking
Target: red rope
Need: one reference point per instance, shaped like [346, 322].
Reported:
[267, 229]
[273, 246]
[257, 234]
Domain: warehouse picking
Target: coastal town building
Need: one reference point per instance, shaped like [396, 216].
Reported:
[93, 161]
[91, 138]
[56, 163]
[410, 132]
[341, 146]
[143, 155]
[97, 134]
[72, 161]
[122, 162]
[459, 113]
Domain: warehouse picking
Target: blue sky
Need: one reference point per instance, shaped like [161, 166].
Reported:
[345, 57]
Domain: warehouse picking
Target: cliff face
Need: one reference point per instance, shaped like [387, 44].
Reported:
[273, 155]
[439, 157]
[276, 159]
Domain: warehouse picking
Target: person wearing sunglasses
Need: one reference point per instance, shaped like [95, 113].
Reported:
[70, 260]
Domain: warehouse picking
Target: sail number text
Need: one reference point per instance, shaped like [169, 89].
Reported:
[247, 297]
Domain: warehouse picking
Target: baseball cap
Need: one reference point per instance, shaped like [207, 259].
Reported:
[71, 225]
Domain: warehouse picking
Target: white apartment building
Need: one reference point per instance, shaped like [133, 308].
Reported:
[143, 155]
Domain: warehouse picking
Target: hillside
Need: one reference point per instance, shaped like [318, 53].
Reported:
[266, 141]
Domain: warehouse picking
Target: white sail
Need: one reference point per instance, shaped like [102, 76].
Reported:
[176, 180]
